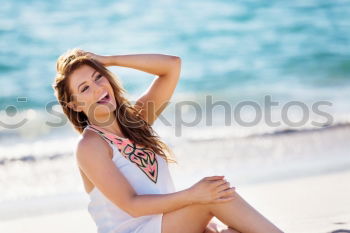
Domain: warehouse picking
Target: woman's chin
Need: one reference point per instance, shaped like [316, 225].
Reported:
[103, 109]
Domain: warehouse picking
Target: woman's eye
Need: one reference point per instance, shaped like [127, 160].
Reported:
[98, 77]
[86, 87]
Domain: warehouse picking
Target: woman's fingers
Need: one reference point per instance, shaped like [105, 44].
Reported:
[227, 192]
[216, 183]
[214, 177]
[224, 194]
[223, 199]
[222, 185]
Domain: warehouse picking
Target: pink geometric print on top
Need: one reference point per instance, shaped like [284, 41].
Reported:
[143, 157]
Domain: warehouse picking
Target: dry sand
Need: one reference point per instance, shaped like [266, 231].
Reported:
[302, 205]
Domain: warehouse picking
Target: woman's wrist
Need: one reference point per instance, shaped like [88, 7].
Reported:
[110, 60]
[105, 60]
[188, 197]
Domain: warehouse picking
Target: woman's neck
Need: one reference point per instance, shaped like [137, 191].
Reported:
[110, 125]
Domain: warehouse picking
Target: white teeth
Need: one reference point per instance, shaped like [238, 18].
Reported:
[102, 96]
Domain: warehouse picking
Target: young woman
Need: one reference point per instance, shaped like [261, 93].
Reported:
[122, 161]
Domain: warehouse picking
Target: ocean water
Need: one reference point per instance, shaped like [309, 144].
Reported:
[237, 52]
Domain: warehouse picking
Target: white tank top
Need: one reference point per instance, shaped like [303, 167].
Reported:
[146, 172]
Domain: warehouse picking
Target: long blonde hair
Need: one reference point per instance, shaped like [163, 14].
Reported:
[132, 125]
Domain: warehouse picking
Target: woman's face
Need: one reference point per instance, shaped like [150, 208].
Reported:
[92, 93]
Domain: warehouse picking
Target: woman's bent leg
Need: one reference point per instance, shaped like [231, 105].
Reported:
[239, 215]
[190, 219]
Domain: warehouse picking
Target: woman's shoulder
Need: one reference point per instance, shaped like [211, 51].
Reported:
[91, 142]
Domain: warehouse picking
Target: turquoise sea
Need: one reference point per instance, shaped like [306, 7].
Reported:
[232, 51]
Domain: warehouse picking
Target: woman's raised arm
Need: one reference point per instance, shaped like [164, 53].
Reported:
[153, 101]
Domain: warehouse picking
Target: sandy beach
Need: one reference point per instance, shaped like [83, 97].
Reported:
[262, 97]
[312, 204]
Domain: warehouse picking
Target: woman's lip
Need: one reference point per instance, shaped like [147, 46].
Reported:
[103, 96]
[103, 101]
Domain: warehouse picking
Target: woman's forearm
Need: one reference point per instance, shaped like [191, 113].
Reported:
[159, 203]
[157, 64]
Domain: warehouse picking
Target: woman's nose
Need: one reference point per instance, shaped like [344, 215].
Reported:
[98, 90]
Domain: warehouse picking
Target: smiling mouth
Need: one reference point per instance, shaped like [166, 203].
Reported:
[104, 100]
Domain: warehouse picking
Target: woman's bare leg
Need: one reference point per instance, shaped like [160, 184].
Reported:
[237, 214]
[241, 216]
[190, 219]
